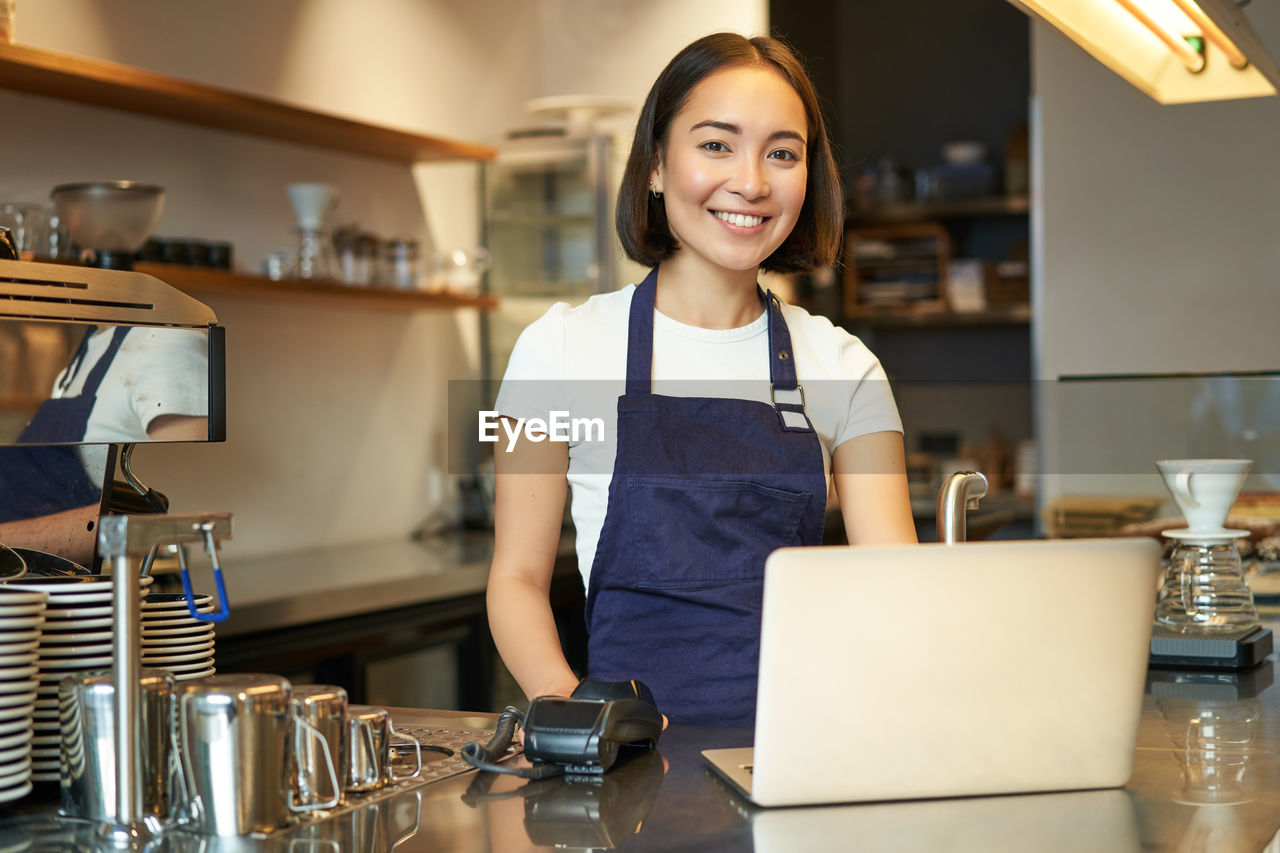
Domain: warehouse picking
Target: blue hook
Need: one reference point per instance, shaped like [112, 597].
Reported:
[223, 611]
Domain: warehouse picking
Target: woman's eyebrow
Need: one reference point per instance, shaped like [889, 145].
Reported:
[730, 127]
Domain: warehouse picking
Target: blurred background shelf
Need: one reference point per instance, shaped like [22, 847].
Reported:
[114, 86]
[197, 281]
[973, 208]
[995, 315]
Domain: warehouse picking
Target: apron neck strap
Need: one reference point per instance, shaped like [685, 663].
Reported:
[640, 337]
[782, 362]
[94, 380]
[782, 366]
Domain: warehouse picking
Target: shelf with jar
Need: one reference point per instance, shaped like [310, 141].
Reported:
[198, 281]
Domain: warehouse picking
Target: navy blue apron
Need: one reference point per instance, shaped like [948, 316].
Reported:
[36, 481]
[703, 490]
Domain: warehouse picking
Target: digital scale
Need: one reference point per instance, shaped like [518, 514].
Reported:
[1240, 649]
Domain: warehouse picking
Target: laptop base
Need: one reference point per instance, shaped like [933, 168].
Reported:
[1228, 650]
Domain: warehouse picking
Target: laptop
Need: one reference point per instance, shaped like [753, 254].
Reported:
[902, 673]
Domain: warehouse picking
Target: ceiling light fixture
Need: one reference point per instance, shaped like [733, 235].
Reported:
[1176, 51]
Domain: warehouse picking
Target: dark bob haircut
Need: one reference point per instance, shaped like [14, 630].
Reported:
[642, 219]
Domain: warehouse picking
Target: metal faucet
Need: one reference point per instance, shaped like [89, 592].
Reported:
[961, 492]
[120, 539]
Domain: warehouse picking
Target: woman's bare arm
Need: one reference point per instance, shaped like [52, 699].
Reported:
[528, 512]
[871, 482]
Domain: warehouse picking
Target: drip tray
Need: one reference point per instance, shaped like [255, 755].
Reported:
[1210, 650]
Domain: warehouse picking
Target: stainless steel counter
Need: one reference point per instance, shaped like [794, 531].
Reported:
[305, 587]
[1207, 778]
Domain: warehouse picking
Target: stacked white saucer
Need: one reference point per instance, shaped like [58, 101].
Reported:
[76, 636]
[173, 639]
[21, 618]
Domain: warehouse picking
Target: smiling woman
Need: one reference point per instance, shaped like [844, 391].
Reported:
[642, 215]
[727, 412]
[733, 181]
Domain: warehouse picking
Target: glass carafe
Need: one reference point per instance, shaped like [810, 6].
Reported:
[1204, 588]
[315, 258]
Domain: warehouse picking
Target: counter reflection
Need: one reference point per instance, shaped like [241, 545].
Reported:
[1213, 720]
[569, 813]
[1097, 821]
[378, 827]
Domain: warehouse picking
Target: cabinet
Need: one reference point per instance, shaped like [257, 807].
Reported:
[895, 269]
[114, 86]
[911, 246]
[548, 217]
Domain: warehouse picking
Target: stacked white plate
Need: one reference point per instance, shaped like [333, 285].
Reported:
[75, 637]
[22, 614]
[173, 639]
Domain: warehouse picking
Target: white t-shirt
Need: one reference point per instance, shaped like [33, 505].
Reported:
[573, 360]
[157, 371]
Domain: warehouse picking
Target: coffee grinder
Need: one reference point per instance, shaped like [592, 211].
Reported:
[111, 218]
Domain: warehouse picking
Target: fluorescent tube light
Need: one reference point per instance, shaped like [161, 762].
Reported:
[1176, 51]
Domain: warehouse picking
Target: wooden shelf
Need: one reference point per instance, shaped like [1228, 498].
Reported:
[904, 317]
[1014, 205]
[107, 84]
[196, 281]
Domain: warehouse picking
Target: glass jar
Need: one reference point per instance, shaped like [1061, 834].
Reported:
[403, 265]
[1204, 588]
[315, 257]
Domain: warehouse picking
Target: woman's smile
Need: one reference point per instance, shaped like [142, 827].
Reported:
[742, 221]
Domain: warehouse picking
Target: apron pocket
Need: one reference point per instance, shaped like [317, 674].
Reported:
[707, 533]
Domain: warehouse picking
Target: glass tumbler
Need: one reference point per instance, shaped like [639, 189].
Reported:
[1204, 589]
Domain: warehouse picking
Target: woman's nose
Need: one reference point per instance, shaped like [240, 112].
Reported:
[748, 180]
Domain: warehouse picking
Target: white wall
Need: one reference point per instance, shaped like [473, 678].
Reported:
[337, 420]
[1155, 234]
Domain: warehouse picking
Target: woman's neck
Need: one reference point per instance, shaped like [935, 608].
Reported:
[707, 296]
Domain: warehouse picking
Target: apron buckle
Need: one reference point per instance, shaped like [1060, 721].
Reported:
[773, 395]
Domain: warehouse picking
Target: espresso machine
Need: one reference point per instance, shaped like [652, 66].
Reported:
[35, 464]
[233, 774]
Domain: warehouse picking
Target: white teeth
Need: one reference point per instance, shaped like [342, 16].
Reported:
[739, 219]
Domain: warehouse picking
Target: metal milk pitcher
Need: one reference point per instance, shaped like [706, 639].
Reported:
[88, 746]
[369, 735]
[236, 735]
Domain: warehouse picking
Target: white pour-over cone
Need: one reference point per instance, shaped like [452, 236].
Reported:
[312, 203]
[1204, 489]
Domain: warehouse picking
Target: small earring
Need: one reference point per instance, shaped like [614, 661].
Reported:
[654, 192]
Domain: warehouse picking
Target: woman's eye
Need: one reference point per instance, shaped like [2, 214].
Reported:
[712, 145]
[783, 154]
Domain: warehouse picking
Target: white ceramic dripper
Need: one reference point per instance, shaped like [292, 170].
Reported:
[312, 204]
[1204, 489]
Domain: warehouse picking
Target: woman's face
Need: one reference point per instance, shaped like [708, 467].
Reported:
[734, 169]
